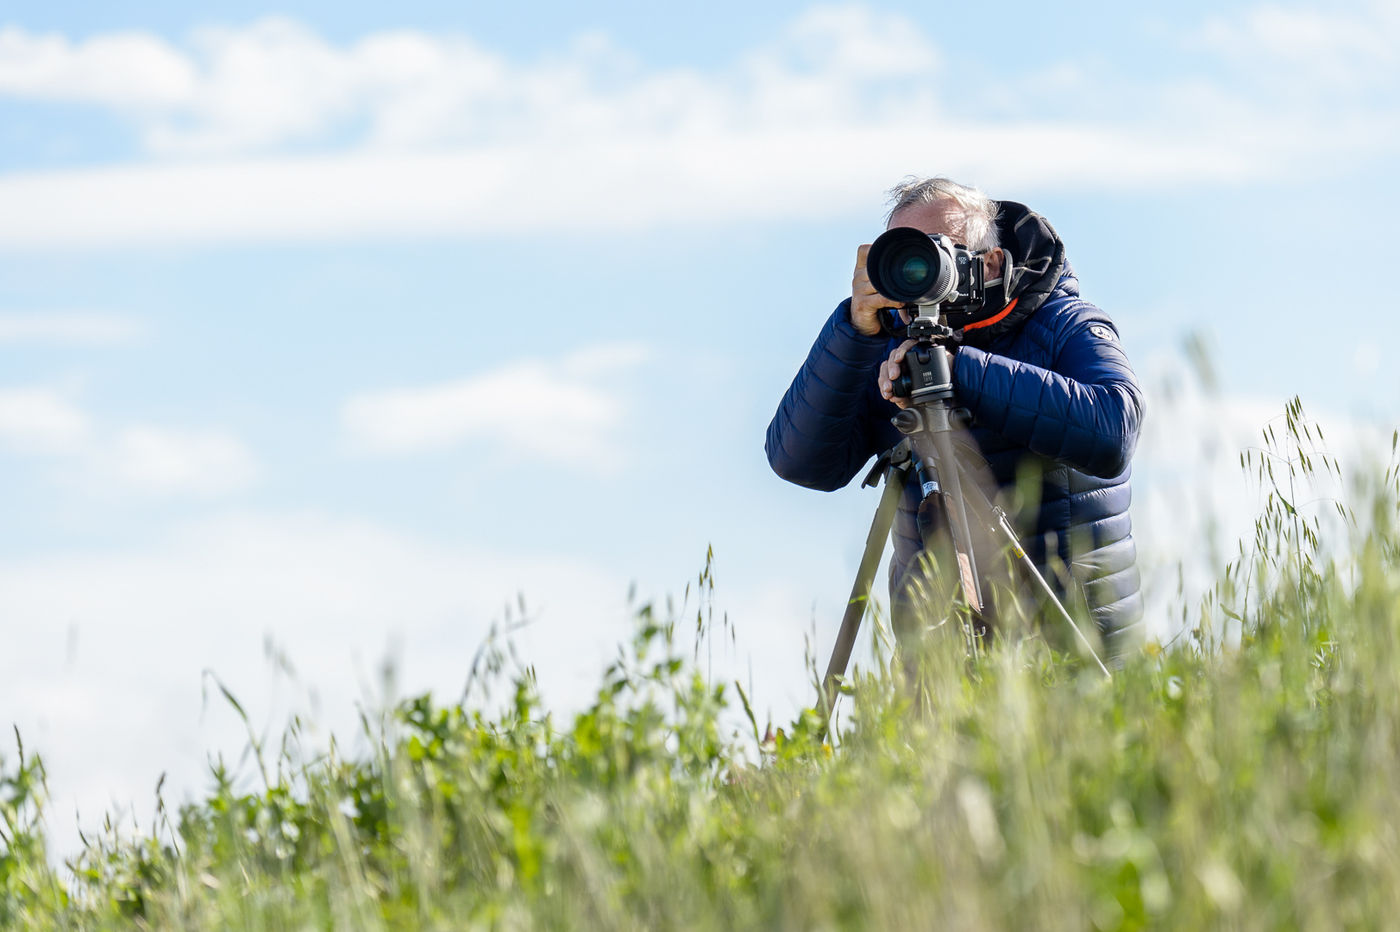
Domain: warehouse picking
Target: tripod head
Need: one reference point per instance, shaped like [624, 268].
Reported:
[926, 375]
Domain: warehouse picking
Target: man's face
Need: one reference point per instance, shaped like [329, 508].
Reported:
[937, 217]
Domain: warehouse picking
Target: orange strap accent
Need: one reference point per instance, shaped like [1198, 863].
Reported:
[991, 320]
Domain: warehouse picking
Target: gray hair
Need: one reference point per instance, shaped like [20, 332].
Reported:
[975, 221]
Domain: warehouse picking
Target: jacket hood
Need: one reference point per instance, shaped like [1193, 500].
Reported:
[1037, 262]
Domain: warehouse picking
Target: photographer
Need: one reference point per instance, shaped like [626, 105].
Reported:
[1043, 376]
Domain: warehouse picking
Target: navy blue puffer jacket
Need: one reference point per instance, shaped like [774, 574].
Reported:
[1049, 389]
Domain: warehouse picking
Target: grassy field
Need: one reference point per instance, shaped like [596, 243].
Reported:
[1244, 777]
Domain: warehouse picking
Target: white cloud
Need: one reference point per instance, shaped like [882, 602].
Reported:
[405, 132]
[66, 327]
[615, 183]
[126, 70]
[580, 414]
[239, 90]
[200, 461]
[40, 420]
[145, 458]
[1326, 47]
[604, 359]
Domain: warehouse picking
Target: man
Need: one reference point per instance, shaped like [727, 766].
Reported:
[1044, 377]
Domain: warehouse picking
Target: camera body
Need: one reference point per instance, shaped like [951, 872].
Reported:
[930, 271]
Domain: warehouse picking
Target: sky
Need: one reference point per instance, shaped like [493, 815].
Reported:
[332, 334]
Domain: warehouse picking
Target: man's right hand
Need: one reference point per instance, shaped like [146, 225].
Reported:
[866, 302]
[891, 369]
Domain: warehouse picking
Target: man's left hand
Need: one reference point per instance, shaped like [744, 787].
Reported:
[892, 368]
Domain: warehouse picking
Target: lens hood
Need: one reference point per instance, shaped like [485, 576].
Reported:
[912, 267]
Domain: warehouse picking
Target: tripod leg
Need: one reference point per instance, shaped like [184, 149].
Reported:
[1005, 527]
[860, 592]
[996, 519]
[955, 506]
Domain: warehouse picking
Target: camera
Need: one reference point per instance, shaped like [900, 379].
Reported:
[944, 281]
[928, 270]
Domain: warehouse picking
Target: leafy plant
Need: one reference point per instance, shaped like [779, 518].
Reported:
[1245, 778]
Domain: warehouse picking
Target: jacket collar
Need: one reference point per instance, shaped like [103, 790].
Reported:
[1036, 263]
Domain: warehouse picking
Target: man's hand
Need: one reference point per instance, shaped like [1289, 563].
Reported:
[866, 302]
[890, 370]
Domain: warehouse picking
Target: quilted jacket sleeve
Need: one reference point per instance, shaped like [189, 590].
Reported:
[1085, 411]
[821, 435]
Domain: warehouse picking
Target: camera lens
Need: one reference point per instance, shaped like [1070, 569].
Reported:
[913, 273]
[908, 265]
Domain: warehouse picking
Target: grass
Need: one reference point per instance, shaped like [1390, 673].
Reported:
[1244, 777]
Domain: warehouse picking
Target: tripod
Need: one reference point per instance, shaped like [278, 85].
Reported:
[927, 451]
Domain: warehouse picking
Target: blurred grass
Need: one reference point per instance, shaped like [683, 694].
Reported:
[1244, 778]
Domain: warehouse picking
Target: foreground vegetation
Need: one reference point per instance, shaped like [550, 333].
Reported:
[1245, 778]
